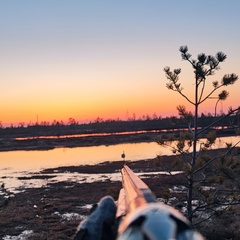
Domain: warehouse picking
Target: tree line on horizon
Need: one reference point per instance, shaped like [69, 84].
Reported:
[172, 119]
[100, 125]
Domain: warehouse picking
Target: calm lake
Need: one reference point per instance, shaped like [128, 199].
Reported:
[20, 163]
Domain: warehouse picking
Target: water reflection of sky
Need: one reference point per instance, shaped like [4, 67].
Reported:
[16, 164]
[37, 160]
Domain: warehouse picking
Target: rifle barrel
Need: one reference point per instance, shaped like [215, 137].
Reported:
[137, 193]
[140, 216]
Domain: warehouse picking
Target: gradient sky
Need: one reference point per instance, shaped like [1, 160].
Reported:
[98, 58]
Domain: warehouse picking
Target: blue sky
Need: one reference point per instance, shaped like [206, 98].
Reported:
[89, 59]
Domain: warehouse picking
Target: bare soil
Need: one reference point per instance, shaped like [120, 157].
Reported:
[54, 211]
[42, 210]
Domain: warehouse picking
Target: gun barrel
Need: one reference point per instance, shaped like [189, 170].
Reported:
[142, 217]
[137, 193]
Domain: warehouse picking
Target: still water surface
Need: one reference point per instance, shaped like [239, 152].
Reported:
[19, 163]
[37, 160]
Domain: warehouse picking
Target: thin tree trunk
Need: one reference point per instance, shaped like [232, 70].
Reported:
[194, 154]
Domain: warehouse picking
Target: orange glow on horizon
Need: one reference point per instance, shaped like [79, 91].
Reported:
[92, 62]
[85, 114]
[110, 101]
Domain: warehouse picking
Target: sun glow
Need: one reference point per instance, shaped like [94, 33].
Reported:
[94, 63]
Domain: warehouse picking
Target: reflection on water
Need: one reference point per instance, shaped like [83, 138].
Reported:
[16, 161]
[81, 135]
[16, 164]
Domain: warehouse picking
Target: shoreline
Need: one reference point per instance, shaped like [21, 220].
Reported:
[72, 142]
[46, 144]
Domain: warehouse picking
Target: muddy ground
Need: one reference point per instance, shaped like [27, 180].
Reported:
[55, 210]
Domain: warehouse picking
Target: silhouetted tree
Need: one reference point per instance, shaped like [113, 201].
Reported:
[21, 124]
[196, 160]
[72, 121]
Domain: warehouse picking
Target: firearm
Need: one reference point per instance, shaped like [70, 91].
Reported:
[138, 216]
[141, 217]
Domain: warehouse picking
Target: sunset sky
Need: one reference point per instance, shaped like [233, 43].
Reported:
[96, 58]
